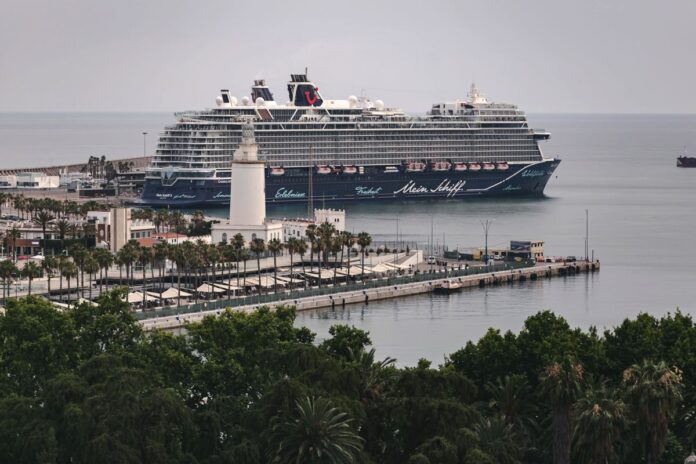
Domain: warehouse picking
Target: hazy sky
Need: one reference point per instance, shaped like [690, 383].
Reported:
[544, 55]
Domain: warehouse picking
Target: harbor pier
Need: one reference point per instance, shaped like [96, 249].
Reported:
[426, 284]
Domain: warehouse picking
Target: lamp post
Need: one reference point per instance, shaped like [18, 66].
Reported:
[486, 226]
[144, 144]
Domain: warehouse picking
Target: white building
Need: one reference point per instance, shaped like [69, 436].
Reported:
[8, 182]
[247, 197]
[36, 180]
[337, 217]
[115, 228]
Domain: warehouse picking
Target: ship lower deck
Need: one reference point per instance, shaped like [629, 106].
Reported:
[520, 179]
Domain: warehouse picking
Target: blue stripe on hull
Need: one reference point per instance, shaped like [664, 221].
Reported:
[518, 180]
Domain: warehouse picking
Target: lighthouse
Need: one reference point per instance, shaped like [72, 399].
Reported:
[247, 196]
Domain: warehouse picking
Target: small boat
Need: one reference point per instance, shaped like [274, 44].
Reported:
[277, 171]
[502, 166]
[415, 167]
[323, 169]
[488, 166]
[447, 287]
[349, 170]
[474, 167]
[440, 166]
[460, 167]
[686, 162]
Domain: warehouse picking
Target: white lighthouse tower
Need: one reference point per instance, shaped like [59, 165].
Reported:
[247, 196]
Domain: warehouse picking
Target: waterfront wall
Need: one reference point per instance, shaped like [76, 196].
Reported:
[377, 293]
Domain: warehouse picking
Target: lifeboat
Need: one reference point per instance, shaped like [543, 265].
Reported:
[323, 169]
[474, 167]
[488, 166]
[460, 167]
[440, 166]
[277, 171]
[349, 170]
[415, 167]
[502, 166]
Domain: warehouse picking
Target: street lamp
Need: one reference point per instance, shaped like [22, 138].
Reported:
[486, 226]
[144, 144]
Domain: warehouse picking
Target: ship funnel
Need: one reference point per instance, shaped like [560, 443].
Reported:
[261, 90]
[226, 99]
[302, 92]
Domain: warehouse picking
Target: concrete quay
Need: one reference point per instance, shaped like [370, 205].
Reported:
[540, 271]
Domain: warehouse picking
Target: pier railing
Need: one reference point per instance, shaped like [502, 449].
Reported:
[327, 290]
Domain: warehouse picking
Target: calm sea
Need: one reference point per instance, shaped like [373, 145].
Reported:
[621, 168]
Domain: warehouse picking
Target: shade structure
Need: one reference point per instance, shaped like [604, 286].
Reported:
[172, 293]
[379, 268]
[210, 288]
[357, 270]
[266, 281]
[137, 297]
[89, 302]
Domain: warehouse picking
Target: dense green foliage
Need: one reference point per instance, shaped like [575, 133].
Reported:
[88, 386]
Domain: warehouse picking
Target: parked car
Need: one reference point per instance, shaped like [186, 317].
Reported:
[431, 260]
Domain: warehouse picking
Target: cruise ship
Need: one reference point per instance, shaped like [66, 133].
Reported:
[355, 149]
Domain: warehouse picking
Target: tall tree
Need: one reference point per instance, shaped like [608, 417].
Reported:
[364, 241]
[316, 432]
[258, 246]
[31, 271]
[275, 246]
[601, 419]
[561, 385]
[42, 219]
[653, 391]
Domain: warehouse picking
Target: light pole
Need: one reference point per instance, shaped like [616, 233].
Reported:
[587, 234]
[486, 226]
[144, 144]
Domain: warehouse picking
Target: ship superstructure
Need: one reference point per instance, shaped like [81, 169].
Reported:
[350, 149]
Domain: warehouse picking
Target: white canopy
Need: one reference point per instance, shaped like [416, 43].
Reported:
[266, 281]
[89, 302]
[357, 270]
[172, 293]
[210, 288]
[137, 297]
[380, 268]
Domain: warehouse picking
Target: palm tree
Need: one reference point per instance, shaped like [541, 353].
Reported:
[315, 432]
[238, 247]
[326, 232]
[49, 265]
[7, 271]
[244, 256]
[258, 246]
[79, 253]
[13, 235]
[90, 266]
[69, 271]
[511, 398]
[42, 219]
[63, 226]
[275, 246]
[178, 256]
[301, 249]
[161, 252]
[600, 422]
[364, 241]
[653, 391]
[105, 260]
[291, 246]
[499, 440]
[145, 257]
[31, 271]
[311, 234]
[347, 240]
[561, 385]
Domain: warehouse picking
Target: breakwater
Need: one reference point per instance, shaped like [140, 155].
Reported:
[372, 291]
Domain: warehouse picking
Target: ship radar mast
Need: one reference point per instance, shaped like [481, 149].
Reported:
[475, 96]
